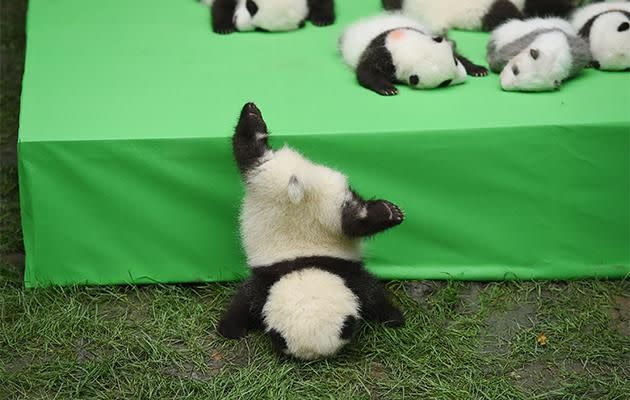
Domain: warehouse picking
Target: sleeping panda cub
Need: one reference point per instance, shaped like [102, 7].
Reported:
[392, 48]
[606, 26]
[478, 14]
[268, 15]
[301, 228]
[536, 54]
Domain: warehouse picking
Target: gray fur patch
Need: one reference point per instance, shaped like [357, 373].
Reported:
[580, 54]
[500, 57]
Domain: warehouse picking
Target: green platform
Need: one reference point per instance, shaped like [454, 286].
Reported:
[126, 173]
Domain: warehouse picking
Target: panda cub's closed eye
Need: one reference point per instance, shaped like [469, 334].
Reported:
[623, 27]
[534, 53]
[251, 6]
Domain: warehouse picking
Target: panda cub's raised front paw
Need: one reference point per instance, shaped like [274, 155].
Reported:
[387, 211]
[383, 214]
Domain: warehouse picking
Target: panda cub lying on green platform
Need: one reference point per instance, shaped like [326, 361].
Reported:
[268, 15]
[301, 227]
[391, 48]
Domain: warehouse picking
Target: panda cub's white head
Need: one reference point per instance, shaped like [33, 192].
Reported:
[542, 65]
[423, 61]
[610, 41]
[270, 15]
[295, 208]
[606, 26]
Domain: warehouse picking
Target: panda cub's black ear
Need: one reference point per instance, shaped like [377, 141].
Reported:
[252, 7]
[295, 190]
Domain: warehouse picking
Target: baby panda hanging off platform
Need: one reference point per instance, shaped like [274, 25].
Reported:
[606, 26]
[485, 15]
[268, 15]
[301, 227]
[536, 54]
[392, 48]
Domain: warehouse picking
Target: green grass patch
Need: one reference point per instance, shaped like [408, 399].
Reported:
[461, 341]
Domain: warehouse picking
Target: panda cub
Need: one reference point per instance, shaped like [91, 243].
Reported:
[536, 54]
[268, 15]
[301, 228]
[478, 14]
[390, 48]
[606, 26]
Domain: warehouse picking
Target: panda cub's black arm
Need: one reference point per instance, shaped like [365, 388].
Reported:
[362, 218]
[223, 16]
[376, 69]
[472, 69]
[370, 78]
[321, 12]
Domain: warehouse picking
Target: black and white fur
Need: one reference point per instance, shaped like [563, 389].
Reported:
[485, 15]
[537, 54]
[301, 228]
[269, 15]
[606, 26]
[392, 48]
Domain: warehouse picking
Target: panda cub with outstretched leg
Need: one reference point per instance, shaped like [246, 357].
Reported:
[301, 228]
[392, 48]
[606, 27]
[537, 54]
[478, 14]
[268, 15]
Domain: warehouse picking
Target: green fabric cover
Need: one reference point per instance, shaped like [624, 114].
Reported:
[127, 175]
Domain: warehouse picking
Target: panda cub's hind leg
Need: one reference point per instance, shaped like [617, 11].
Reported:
[223, 16]
[278, 344]
[377, 307]
[250, 140]
[240, 318]
[321, 12]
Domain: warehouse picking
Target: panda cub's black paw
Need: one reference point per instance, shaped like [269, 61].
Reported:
[230, 330]
[323, 21]
[477, 71]
[385, 213]
[224, 31]
[385, 89]
[251, 121]
[395, 319]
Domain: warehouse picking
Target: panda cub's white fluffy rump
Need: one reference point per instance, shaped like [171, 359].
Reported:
[309, 308]
[301, 228]
[537, 54]
[392, 48]
[606, 26]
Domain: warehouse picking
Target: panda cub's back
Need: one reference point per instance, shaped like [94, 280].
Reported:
[309, 309]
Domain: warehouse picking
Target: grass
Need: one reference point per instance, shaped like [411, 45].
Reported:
[461, 341]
